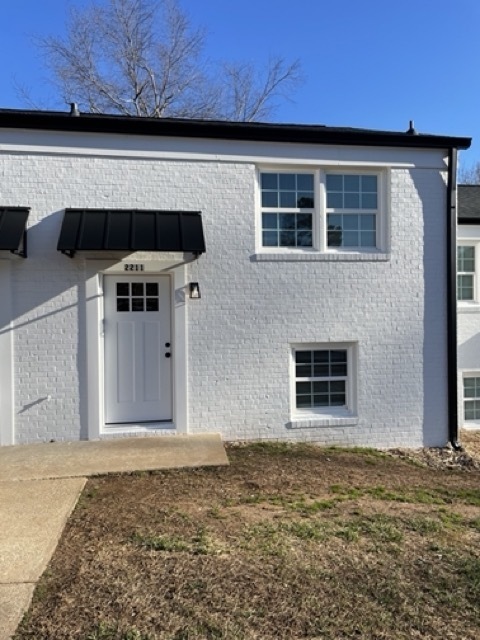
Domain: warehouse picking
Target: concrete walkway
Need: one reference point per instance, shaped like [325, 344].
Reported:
[40, 485]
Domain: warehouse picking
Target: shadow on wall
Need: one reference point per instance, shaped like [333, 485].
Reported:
[435, 361]
[468, 353]
[46, 290]
[49, 300]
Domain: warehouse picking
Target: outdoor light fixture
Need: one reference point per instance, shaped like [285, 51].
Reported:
[194, 290]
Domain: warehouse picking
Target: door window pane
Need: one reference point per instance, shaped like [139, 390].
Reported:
[137, 288]
[152, 288]
[137, 304]
[123, 304]
[137, 296]
[152, 304]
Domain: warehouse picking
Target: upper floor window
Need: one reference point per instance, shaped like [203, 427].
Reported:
[466, 273]
[352, 202]
[287, 209]
[322, 210]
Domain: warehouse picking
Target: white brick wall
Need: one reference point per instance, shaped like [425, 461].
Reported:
[240, 332]
[469, 340]
[468, 319]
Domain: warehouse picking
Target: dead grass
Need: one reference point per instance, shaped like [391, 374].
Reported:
[289, 542]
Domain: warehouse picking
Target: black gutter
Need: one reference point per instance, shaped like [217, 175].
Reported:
[222, 130]
[472, 221]
[452, 397]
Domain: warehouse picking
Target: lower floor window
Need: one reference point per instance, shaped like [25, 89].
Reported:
[471, 398]
[321, 377]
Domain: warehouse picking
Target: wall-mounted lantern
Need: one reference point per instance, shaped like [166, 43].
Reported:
[194, 289]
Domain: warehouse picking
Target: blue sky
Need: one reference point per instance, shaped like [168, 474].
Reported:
[372, 63]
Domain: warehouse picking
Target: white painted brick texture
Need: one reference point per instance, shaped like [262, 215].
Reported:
[240, 332]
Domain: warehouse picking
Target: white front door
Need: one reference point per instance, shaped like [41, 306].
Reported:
[138, 369]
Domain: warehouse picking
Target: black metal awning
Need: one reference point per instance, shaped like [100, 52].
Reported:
[13, 235]
[131, 230]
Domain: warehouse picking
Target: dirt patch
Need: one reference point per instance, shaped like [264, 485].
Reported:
[288, 542]
[466, 458]
[470, 440]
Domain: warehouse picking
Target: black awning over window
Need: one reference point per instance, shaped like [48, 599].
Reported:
[13, 221]
[131, 230]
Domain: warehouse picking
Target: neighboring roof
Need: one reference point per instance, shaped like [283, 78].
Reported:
[12, 227]
[468, 204]
[264, 132]
[131, 230]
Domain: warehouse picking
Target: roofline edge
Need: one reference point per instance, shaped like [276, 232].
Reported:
[227, 130]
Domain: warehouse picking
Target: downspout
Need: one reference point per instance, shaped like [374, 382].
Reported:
[452, 397]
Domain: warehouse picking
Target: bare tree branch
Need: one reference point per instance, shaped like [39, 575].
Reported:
[144, 58]
[469, 175]
[251, 94]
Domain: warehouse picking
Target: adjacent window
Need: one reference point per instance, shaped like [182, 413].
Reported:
[352, 203]
[471, 398]
[287, 209]
[466, 273]
[321, 210]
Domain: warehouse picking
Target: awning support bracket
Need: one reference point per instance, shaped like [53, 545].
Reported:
[22, 250]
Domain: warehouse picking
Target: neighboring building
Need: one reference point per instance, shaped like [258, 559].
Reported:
[468, 294]
[257, 280]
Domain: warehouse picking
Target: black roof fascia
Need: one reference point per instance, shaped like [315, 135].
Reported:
[131, 230]
[472, 221]
[223, 130]
[13, 221]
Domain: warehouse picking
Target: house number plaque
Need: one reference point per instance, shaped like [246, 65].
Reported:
[134, 267]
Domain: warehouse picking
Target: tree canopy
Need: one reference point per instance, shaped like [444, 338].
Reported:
[145, 58]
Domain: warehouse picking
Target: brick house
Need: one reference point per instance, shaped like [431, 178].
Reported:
[468, 305]
[257, 280]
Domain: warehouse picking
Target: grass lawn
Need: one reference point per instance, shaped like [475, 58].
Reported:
[288, 542]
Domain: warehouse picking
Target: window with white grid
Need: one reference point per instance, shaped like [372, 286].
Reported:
[352, 209]
[323, 380]
[321, 210]
[466, 273]
[287, 202]
[471, 398]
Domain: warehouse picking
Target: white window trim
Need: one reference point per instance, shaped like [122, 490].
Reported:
[320, 250]
[325, 416]
[470, 373]
[470, 306]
